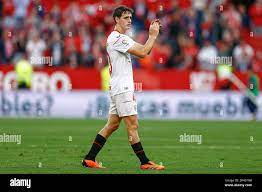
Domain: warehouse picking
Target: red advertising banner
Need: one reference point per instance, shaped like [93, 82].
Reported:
[66, 78]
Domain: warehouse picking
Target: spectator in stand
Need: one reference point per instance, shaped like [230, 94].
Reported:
[35, 49]
[257, 64]
[20, 44]
[245, 20]
[175, 29]
[140, 12]
[207, 27]
[243, 55]
[207, 56]
[8, 44]
[72, 55]
[161, 54]
[1, 9]
[199, 6]
[190, 23]
[190, 51]
[57, 49]
[232, 17]
[73, 13]
[38, 7]
[75, 30]
[56, 14]
[8, 11]
[144, 63]
[223, 49]
[33, 20]
[20, 11]
[229, 40]
[48, 24]
[255, 13]
[176, 59]
[99, 53]
[85, 45]
[2, 48]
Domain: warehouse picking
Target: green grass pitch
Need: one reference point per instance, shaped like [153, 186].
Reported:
[227, 147]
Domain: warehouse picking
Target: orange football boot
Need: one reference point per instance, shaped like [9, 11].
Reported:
[91, 164]
[152, 165]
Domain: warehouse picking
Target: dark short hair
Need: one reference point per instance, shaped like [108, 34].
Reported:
[120, 10]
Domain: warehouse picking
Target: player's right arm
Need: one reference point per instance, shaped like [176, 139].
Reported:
[140, 50]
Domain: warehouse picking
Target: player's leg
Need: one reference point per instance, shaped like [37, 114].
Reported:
[126, 106]
[254, 112]
[131, 123]
[252, 108]
[111, 126]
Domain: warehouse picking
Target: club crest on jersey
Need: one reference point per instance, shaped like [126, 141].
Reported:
[124, 42]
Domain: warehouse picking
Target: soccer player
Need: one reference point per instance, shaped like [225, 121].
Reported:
[122, 101]
[253, 86]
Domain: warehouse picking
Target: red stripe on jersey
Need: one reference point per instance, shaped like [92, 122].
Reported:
[117, 40]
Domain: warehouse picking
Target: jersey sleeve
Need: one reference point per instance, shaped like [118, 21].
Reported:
[122, 43]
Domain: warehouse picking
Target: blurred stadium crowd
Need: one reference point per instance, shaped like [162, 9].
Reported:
[74, 32]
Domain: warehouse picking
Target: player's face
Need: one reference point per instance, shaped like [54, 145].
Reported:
[125, 20]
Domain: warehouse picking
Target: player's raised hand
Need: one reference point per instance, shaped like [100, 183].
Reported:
[154, 28]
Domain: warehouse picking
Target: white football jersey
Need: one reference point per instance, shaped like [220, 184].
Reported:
[120, 65]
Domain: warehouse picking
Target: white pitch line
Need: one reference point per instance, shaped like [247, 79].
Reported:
[177, 139]
[190, 147]
[196, 146]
